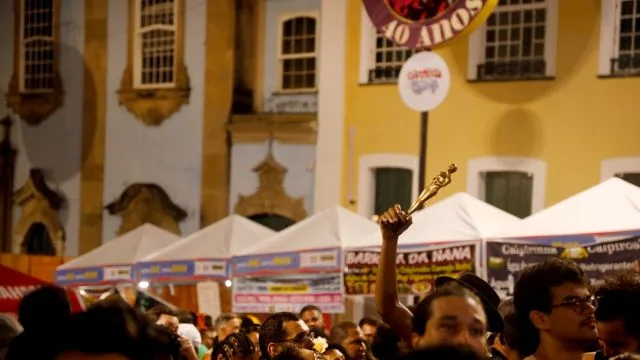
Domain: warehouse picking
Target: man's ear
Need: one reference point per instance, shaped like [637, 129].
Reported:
[539, 320]
[415, 340]
[272, 349]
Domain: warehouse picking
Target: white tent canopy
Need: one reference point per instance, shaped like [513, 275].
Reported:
[460, 217]
[220, 240]
[126, 249]
[609, 207]
[335, 227]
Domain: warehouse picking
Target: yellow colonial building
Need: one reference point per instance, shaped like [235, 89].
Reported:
[180, 112]
[543, 104]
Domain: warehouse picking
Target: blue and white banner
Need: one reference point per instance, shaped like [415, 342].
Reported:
[327, 260]
[167, 271]
[289, 293]
[94, 275]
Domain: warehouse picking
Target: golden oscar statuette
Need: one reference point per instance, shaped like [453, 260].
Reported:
[438, 182]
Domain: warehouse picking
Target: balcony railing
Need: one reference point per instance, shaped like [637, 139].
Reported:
[626, 65]
[384, 74]
[512, 70]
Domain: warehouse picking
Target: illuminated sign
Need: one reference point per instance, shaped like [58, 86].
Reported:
[427, 23]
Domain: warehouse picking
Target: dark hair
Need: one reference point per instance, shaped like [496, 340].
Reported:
[368, 320]
[533, 293]
[43, 307]
[272, 330]
[385, 343]
[223, 319]
[340, 331]
[337, 348]
[310, 308]
[422, 313]
[159, 310]
[248, 325]
[208, 321]
[446, 351]
[186, 317]
[122, 330]
[619, 299]
[234, 345]
[509, 335]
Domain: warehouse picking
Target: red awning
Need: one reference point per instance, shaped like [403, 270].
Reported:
[14, 285]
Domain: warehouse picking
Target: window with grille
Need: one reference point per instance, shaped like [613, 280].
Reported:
[298, 52]
[511, 191]
[632, 178]
[515, 37]
[392, 186]
[627, 42]
[388, 60]
[155, 43]
[37, 68]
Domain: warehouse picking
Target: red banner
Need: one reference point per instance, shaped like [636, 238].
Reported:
[14, 285]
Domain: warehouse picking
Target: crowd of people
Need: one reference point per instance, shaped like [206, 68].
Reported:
[554, 314]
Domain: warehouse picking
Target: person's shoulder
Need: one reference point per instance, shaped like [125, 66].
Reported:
[30, 345]
[589, 356]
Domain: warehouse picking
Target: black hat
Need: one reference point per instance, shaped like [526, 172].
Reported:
[490, 299]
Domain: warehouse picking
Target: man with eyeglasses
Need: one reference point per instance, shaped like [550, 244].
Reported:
[554, 312]
[282, 331]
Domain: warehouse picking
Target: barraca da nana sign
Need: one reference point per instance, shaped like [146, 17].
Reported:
[427, 23]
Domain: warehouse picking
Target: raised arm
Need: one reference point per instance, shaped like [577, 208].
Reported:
[392, 223]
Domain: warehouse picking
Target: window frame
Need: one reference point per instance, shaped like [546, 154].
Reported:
[477, 46]
[620, 165]
[610, 38]
[368, 49]
[22, 42]
[33, 107]
[367, 165]
[486, 175]
[478, 167]
[282, 18]
[137, 46]
[153, 105]
[378, 174]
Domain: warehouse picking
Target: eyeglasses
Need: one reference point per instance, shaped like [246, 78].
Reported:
[304, 340]
[580, 305]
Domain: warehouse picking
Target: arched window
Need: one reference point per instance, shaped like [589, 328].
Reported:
[273, 221]
[155, 43]
[298, 50]
[38, 241]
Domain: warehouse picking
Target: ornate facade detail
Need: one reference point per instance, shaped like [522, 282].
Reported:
[271, 196]
[146, 203]
[34, 107]
[7, 171]
[293, 128]
[154, 105]
[40, 206]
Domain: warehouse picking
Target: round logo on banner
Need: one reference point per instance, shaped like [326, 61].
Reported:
[424, 81]
[427, 23]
